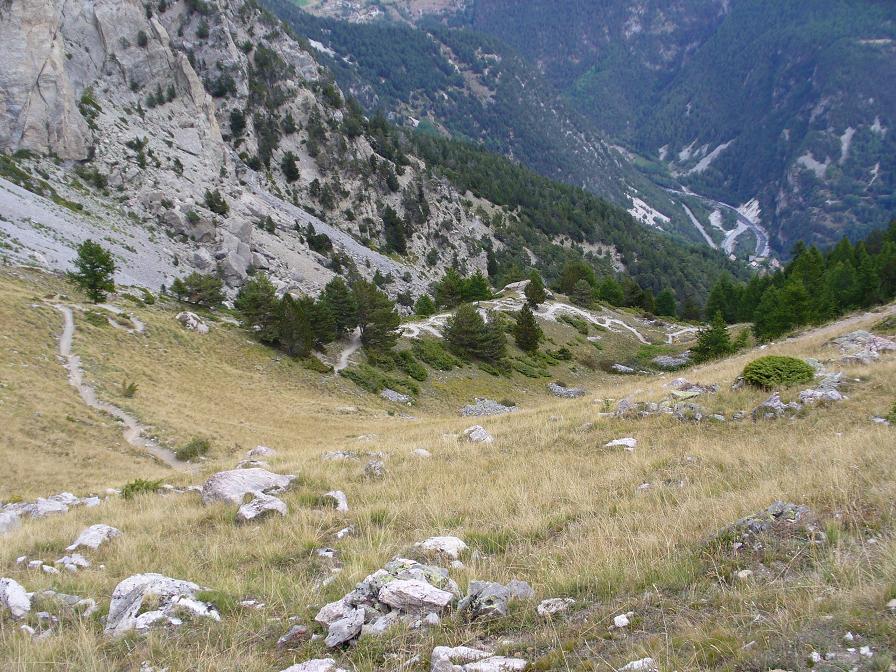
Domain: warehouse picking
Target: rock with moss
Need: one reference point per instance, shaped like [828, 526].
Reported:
[167, 600]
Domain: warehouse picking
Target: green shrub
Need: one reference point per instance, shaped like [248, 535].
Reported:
[314, 364]
[578, 324]
[776, 371]
[373, 380]
[128, 389]
[405, 361]
[891, 418]
[195, 447]
[140, 486]
[96, 318]
[436, 355]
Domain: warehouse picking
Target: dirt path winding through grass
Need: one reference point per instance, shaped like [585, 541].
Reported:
[353, 345]
[133, 430]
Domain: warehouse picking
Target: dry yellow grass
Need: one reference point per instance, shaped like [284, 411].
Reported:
[544, 503]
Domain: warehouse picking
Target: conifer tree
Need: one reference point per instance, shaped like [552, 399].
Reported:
[526, 332]
[582, 294]
[94, 270]
[377, 317]
[343, 307]
[257, 303]
[535, 294]
[665, 303]
[294, 329]
[424, 307]
[713, 342]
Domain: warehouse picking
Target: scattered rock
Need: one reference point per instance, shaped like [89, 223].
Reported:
[622, 369]
[396, 397]
[14, 598]
[316, 665]
[341, 500]
[73, 562]
[485, 599]
[172, 598]
[621, 621]
[419, 452]
[628, 443]
[414, 596]
[485, 407]
[261, 451]
[9, 520]
[554, 606]
[477, 434]
[565, 392]
[261, 505]
[296, 635]
[773, 408]
[862, 347]
[375, 470]
[670, 362]
[94, 536]
[643, 665]
[407, 587]
[192, 322]
[345, 629]
[466, 659]
[520, 590]
[448, 546]
[233, 486]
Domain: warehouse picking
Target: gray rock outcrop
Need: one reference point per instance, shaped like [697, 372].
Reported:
[172, 599]
[232, 486]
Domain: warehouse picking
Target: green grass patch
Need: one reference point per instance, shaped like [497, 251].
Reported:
[193, 449]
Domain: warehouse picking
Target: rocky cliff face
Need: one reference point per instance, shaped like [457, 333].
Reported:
[146, 109]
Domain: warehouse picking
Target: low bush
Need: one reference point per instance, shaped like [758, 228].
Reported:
[140, 486]
[374, 380]
[576, 323]
[192, 449]
[891, 418]
[436, 355]
[777, 371]
[96, 318]
[405, 361]
[128, 389]
[314, 364]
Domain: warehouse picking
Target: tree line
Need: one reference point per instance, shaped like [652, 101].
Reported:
[813, 288]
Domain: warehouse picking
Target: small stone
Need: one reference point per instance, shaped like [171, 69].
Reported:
[478, 434]
[339, 497]
[422, 453]
[395, 397]
[94, 536]
[621, 621]
[451, 547]
[47, 569]
[345, 629]
[554, 606]
[295, 635]
[375, 470]
[643, 665]
[261, 505]
[261, 451]
[316, 665]
[192, 322]
[891, 605]
[628, 443]
[14, 598]
[744, 575]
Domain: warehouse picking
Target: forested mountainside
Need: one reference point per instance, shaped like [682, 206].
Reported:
[204, 136]
[471, 86]
[786, 103]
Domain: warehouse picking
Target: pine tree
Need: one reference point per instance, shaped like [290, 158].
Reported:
[343, 307]
[713, 342]
[290, 169]
[294, 329]
[469, 334]
[665, 303]
[526, 332]
[257, 303]
[648, 302]
[572, 273]
[95, 268]
[323, 323]
[393, 228]
[476, 288]
[377, 317]
[424, 306]
[535, 294]
[582, 294]
[611, 291]
[449, 290]
[199, 289]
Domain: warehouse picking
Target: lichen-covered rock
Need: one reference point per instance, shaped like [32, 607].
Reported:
[14, 598]
[339, 498]
[260, 506]
[628, 443]
[485, 407]
[862, 347]
[449, 546]
[192, 322]
[485, 599]
[565, 392]
[553, 606]
[414, 596]
[773, 408]
[467, 659]
[395, 397]
[172, 598]
[478, 434]
[232, 486]
[316, 665]
[345, 629]
[94, 536]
